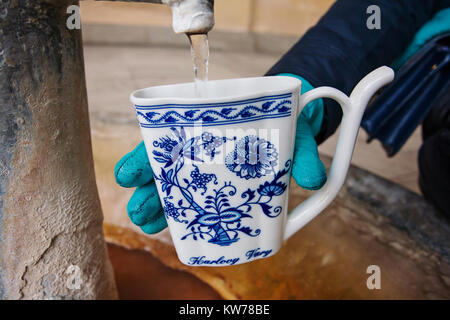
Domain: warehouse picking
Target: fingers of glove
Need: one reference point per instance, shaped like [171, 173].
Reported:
[313, 113]
[155, 226]
[144, 206]
[134, 170]
[307, 169]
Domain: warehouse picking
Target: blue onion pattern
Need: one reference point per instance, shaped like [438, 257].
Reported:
[252, 158]
[215, 219]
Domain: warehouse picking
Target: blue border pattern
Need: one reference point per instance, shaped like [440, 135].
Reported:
[214, 114]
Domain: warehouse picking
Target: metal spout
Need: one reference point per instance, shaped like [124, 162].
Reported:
[192, 16]
[188, 16]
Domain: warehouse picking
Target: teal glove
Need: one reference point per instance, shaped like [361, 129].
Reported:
[144, 208]
[438, 25]
[307, 169]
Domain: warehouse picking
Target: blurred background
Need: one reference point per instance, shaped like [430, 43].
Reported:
[130, 46]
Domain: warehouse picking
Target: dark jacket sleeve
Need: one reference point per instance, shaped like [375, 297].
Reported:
[340, 49]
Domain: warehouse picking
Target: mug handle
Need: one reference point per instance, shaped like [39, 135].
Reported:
[353, 109]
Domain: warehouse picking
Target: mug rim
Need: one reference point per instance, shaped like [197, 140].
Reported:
[142, 97]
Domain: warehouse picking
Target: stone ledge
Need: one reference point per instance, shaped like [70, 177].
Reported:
[103, 34]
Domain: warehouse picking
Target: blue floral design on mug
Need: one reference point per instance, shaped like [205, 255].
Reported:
[220, 217]
[252, 158]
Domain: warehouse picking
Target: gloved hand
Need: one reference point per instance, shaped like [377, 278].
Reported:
[144, 208]
[438, 25]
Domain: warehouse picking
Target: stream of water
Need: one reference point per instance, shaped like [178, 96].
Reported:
[200, 59]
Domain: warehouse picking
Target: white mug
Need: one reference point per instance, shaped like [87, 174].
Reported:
[222, 162]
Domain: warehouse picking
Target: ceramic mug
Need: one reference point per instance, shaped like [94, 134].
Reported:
[222, 162]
